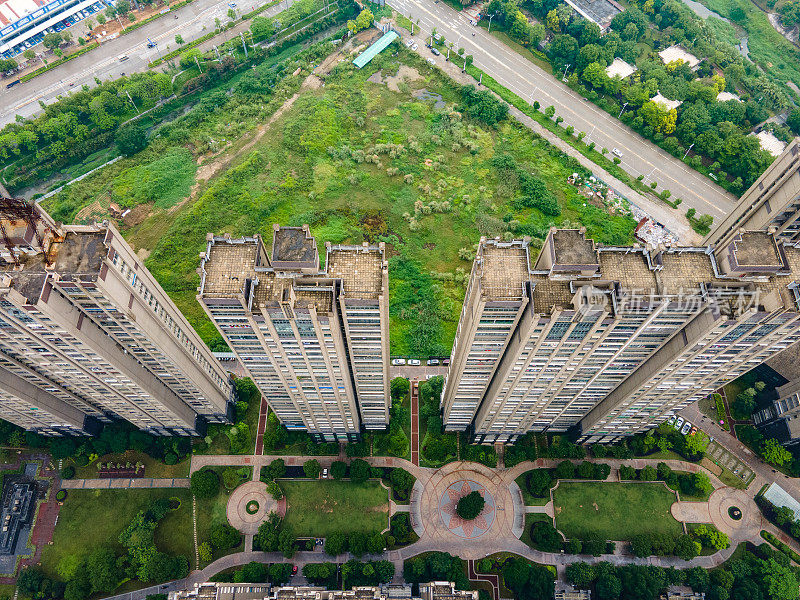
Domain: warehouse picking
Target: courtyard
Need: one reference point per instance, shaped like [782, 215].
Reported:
[612, 510]
[319, 508]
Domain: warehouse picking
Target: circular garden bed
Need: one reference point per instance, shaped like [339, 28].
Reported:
[251, 507]
[61, 495]
[174, 503]
[735, 513]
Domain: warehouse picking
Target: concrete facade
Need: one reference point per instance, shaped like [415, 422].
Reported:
[87, 336]
[771, 204]
[605, 342]
[315, 342]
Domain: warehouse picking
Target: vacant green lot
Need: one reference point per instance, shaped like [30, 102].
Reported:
[614, 511]
[95, 518]
[320, 507]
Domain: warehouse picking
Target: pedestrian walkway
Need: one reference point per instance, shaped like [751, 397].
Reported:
[123, 483]
[415, 422]
[493, 579]
[262, 424]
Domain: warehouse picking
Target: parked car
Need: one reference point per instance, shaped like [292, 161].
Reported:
[435, 52]
[324, 473]
[12, 84]
[616, 152]
[686, 427]
[410, 43]
[414, 362]
[294, 569]
[693, 430]
[431, 61]
[398, 361]
[679, 423]
[671, 420]
[415, 46]
[433, 361]
[446, 361]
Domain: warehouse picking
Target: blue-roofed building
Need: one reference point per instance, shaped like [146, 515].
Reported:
[373, 51]
[24, 23]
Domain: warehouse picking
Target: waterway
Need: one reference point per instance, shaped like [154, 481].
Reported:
[704, 12]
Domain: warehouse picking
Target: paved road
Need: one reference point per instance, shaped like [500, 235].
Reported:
[639, 156]
[194, 20]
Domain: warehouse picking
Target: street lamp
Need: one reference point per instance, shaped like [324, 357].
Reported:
[687, 151]
[491, 16]
[622, 111]
[565, 71]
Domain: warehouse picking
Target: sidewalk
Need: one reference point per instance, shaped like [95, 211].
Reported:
[114, 484]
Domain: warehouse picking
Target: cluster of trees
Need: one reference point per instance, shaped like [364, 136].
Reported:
[470, 506]
[780, 515]
[255, 572]
[539, 481]
[528, 580]
[532, 191]
[437, 446]
[354, 573]
[717, 129]
[361, 22]
[546, 538]
[685, 546]
[758, 574]
[481, 453]
[273, 537]
[436, 566]
[690, 484]
[264, 28]
[482, 105]
[75, 126]
[745, 402]
[356, 543]
[395, 442]
[402, 482]
[769, 449]
[662, 438]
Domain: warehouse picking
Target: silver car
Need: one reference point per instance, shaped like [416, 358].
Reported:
[686, 427]
[679, 423]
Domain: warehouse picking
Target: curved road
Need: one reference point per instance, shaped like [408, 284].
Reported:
[527, 80]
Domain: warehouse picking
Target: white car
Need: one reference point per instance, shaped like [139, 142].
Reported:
[679, 423]
[431, 61]
[433, 362]
[398, 361]
[616, 152]
[324, 473]
[415, 46]
[686, 427]
[671, 420]
[414, 362]
[410, 43]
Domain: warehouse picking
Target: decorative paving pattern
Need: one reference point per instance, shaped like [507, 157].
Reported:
[455, 524]
[242, 519]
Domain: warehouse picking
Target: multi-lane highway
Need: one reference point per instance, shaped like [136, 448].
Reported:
[527, 80]
[194, 20]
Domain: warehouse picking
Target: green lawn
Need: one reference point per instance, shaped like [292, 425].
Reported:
[152, 467]
[322, 507]
[615, 511]
[92, 518]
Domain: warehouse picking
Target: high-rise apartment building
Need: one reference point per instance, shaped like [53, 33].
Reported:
[87, 335]
[608, 341]
[315, 342]
[771, 204]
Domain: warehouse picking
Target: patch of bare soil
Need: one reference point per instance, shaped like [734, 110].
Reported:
[138, 214]
[143, 253]
[94, 210]
[594, 504]
[404, 73]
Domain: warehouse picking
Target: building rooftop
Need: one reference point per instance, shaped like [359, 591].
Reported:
[573, 249]
[359, 267]
[504, 269]
[228, 266]
[756, 249]
[677, 52]
[770, 143]
[620, 68]
[294, 247]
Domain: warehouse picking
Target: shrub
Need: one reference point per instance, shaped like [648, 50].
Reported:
[545, 537]
[68, 472]
[539, 482]
[338, 469]
[312, 469]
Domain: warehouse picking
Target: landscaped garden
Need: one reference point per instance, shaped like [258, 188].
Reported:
[322, 507]
[614, 511]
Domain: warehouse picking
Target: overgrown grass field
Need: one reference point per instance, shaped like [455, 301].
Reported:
[357, 161]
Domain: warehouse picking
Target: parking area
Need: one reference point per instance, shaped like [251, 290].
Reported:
[725, 459]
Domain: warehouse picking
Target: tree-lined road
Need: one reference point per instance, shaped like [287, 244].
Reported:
[527, 80]
[194, 20]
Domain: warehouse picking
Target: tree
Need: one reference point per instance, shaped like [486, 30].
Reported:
[335, 544]
[338, 469]
[223, 537]
[29, 54]
[780, 581]
[101, 567]
[608, 587]
[585, 470]
[481, 105]
[641, 545]
[53, 40]
[286, 542]
[312, 468]
[565, 470]
[101, 19]
[580, 574]
[376, 544]
[648, 474]
[204, 483]
[131, 138]
[527, 580]
[360, 470]
[204, 552]
[573, 546]
[545, 537]
[685, 547]
[402, 481]
[361, 22]
[267, 537]
[774, 453]
[357, 543]
[276, 469]
[539, 482]
[793, 121]
[470, 506]
[399, 387]
[274, 490]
